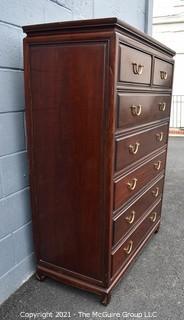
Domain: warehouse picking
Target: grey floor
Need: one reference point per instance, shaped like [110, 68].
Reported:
[155, 283]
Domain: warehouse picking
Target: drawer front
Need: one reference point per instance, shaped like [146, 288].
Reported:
[126, 187]
[135, 65]
[162, 73]
[136, 109]
[127, 249]
[132, 148]
[127, 219]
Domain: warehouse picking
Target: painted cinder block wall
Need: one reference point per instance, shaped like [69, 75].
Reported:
[16, 245]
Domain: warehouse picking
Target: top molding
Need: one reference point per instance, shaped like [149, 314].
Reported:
[91, 25]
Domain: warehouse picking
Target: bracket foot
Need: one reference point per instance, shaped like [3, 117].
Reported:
[105, 298]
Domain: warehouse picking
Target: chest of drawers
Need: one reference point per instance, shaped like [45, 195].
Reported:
[98, 95]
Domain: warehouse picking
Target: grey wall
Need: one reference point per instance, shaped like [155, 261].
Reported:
[16, 246]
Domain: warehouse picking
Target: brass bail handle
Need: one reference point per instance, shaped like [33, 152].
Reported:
[136, 110]
[130, 219]
[134, 148]
[129, 247]
[162, 106]
[157, 165]
[160, 136]
[153, 216]
[163, 75]
[137, 69]
[132, 184]
[155, 192]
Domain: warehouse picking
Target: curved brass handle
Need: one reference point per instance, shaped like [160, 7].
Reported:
[159, 136]
[153, 216]
[137, 69]
[129, 247]
[162, 106]
[136, 110]
[155, 192]
[134, 148]
[157, 165]
[132, 184]
[163, 75]
[130, 219]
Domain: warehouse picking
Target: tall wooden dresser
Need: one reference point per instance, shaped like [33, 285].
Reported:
[98, 96]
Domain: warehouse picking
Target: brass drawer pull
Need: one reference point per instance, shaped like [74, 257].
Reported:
[153, 216]
[137, 69]
[157, 165]
[155, 192]
[132, 184]
[160, 136]
[162, 106]
[134, 148]
[163, 75]
[130, 219]
[136, 110]
[129, 247]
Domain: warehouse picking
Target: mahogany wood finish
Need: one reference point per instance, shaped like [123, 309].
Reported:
[135, 109]
[135, 65]
[124, 251]
[126, 186]
[127, 218]
[162, 73]
[98, 96]
[135, 146]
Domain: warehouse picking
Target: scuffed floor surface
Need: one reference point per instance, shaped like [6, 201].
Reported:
[155, 283]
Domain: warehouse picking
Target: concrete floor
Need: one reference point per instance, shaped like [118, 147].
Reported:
[155, 283]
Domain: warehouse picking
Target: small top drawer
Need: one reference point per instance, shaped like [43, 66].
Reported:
[162, 73]
[135, 65]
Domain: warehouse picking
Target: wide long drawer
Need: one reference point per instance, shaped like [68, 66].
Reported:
[135, 109]
[127, 186]
[121, 256]
[128, 217]
[135, 146]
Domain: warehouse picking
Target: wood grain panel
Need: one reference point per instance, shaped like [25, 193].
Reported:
[68, 130]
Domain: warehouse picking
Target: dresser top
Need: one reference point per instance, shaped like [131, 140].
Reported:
[94, 25]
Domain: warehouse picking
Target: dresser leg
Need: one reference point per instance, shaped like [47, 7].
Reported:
[106, 298]
[157, 229]
[39, 276]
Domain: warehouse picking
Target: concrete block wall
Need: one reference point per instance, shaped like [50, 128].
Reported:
[16, 245]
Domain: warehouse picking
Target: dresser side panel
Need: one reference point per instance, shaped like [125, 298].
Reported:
[67, 119]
